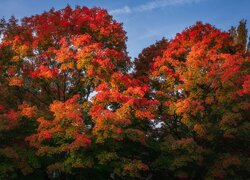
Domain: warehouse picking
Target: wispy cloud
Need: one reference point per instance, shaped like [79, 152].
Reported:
[152, 5]
[123, 10]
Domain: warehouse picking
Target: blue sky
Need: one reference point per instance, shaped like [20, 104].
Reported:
[146, 21]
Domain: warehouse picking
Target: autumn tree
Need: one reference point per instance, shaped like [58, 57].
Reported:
[147, 57]
[52, 62]
[205, 114]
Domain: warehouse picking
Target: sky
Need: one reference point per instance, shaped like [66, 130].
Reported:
[146, 21]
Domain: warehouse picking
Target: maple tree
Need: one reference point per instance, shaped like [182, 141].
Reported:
[53, 62]
[71, 109]
[203, 112]
[147, 57]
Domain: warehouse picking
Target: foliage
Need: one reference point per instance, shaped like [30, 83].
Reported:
[70, 109]
[202, 75]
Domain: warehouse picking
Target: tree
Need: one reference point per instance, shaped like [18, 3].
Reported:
[242, 33]
[147, 57]
[52, 62]
[204, 117]
[239, 34]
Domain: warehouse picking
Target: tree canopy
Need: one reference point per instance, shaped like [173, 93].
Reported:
[70, 108]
